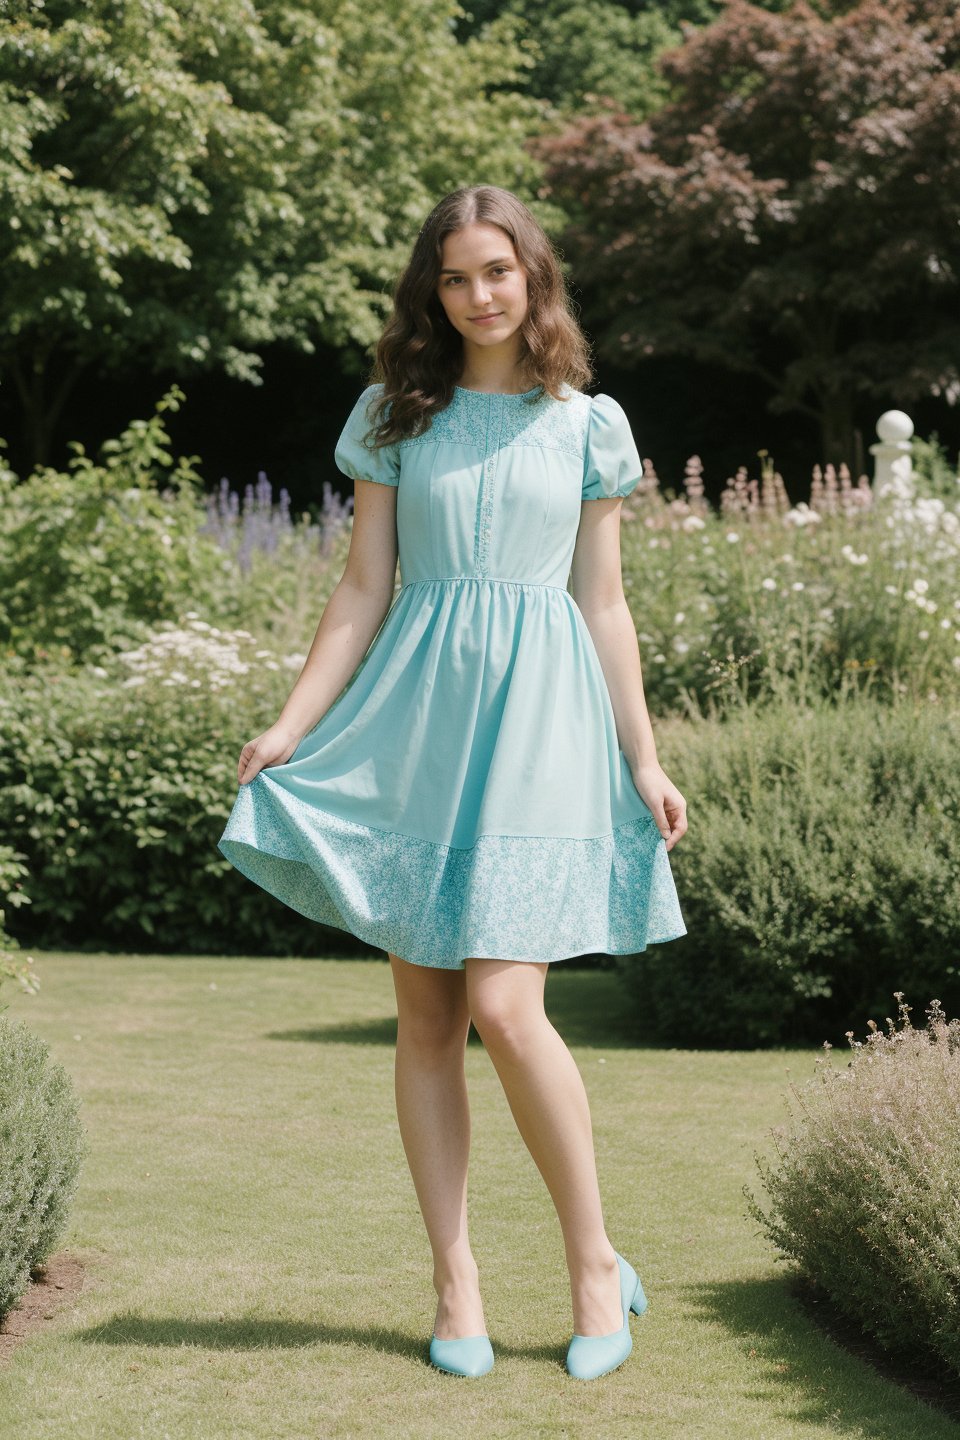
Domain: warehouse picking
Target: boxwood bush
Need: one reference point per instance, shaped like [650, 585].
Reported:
[863, 1192]
[42, 1144]
[117, 781]
[818, 874]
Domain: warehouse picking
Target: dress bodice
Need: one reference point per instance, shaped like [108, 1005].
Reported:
[492, 489]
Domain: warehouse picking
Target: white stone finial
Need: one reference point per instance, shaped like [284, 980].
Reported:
[892, 455]
[894, 427]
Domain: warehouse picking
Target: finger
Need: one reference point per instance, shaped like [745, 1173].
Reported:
[677, 827]
[249, 769]
[663, 824]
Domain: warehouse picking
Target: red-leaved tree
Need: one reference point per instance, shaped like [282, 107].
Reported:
[793, 211]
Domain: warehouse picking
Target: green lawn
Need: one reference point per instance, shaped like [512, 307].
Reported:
[257, 1265]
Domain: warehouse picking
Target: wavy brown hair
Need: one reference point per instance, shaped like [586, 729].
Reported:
[420, 353]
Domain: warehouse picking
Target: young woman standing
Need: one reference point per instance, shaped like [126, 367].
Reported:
[465, 773]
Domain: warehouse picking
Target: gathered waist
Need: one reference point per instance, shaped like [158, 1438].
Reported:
[485, 580]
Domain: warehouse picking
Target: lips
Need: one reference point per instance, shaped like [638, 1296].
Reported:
[482, 319]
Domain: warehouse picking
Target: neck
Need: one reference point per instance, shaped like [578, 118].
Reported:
[490, 369]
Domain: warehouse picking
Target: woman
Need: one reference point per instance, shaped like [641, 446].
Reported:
[479, 794]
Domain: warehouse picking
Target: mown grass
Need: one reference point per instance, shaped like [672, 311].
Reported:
[257, 1265]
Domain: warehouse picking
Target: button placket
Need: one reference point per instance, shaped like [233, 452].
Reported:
[487, 484]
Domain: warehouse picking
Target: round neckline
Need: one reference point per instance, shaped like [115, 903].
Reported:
[498, 394]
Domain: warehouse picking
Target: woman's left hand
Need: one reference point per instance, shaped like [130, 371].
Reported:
[664, 801]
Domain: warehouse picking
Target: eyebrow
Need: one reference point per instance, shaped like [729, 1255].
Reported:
[501, 260]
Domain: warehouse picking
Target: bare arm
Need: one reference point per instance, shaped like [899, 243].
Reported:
[350, 620]
[596, 583]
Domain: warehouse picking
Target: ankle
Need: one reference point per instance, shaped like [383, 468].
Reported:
[597, 1262]
[456, 1276]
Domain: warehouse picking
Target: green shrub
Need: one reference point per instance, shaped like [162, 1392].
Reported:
[863, 1196]
[117, 781]
[12, 894]
[92, 560]
[818, 873]
[41, 1148]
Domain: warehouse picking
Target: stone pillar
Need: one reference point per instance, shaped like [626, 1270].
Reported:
[893, 465]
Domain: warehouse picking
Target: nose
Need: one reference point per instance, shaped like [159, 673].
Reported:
[480, 294]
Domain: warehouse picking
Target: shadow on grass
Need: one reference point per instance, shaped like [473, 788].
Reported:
[588, 1007]
[129, 1328]
[825, 1375]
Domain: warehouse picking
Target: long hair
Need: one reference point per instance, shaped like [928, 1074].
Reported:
[419, 354]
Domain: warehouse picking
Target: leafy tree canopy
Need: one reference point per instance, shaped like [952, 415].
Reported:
[793, 211]
[183, 182]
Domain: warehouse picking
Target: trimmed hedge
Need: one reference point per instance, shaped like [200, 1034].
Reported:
[818, 874]
[118, 792]
[41, 1148]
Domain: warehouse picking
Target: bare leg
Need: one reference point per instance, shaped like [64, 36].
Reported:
[546, 1094]
[434, 1118]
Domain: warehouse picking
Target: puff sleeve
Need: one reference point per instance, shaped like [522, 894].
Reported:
[354, 458]
[611, 463]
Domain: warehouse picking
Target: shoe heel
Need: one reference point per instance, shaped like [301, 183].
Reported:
[639, 1302]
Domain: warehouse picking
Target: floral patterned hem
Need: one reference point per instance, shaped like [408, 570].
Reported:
[514, 897]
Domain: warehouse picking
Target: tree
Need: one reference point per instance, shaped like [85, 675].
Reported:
[791, 213]
[185, 183]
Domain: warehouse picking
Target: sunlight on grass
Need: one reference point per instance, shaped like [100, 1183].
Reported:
[256, 1262]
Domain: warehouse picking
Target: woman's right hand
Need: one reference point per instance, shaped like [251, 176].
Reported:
[273, 747]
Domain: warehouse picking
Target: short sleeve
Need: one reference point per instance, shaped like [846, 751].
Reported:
[611, 463]
[354, 458]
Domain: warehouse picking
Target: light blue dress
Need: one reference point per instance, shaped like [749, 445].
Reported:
[466, 794]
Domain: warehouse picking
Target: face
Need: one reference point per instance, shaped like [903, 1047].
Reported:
[481, 276]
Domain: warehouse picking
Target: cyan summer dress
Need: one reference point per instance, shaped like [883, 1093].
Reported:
[466, 794]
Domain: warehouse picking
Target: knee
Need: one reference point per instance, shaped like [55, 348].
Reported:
[504, 1028]
[433, 1031]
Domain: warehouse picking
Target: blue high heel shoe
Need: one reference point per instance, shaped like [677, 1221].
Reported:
[470, 1356]
[590, 1356]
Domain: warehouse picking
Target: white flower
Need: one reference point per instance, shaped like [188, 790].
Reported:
[732, 536]
[99, 670]
[693, 522]
[798, 585]
[769, 584]
[890, 589]
[945, 623]
[924, 634]
[802, 514]
[680, 645]
[921, 586]
[679, 618]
